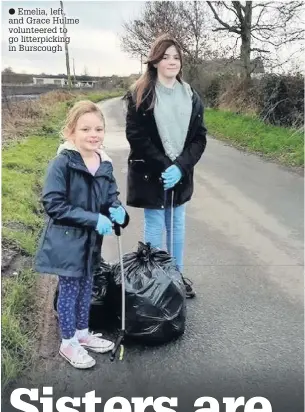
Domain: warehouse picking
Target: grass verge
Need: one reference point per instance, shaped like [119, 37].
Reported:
[278, 143]
[24, 161]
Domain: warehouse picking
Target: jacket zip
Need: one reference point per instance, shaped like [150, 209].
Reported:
[136, 160]
[84, 169]
[90, 231]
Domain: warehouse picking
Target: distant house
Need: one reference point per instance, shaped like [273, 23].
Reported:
[63, 80]
[49, 80]
[84, 81]
[222, 66]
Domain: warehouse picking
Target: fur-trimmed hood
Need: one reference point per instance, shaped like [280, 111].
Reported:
[67, 145]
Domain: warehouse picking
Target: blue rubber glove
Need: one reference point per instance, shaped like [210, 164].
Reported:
[171, 176]
[104, 225]
[117, 214]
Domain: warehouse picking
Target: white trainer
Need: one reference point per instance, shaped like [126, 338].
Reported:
[95, 343]
[77, 356]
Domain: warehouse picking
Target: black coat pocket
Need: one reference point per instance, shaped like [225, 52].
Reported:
[144, 187]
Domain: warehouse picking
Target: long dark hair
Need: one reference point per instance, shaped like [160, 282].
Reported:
[147, 82]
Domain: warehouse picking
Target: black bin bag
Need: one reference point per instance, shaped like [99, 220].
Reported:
[102, 311]
[155, 295]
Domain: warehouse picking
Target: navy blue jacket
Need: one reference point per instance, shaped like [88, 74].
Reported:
[73, 198]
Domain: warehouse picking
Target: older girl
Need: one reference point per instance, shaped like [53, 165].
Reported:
[167, 137]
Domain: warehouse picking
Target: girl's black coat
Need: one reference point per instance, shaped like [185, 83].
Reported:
[147, 158]
[73, 199]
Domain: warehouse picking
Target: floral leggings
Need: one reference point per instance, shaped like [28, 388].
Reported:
[74, 304]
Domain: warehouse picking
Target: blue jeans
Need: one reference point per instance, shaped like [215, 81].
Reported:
[156, 221]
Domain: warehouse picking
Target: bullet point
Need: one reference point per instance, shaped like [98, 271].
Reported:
[11, 11]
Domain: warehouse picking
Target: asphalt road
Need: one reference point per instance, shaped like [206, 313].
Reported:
[244, 252]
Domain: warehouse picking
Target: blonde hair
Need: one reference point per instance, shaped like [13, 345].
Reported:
[80, 108]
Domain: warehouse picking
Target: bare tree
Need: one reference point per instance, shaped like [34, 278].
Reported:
[253, 32]
[185, 21]
[259, 27]
[156, 18]
[8, 70]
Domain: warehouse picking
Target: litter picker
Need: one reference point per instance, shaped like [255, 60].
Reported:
[120, 338]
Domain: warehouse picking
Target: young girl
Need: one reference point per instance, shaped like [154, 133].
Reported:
[167, 137]
[80, 198]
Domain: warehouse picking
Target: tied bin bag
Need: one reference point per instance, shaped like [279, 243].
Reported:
[154, 292]
[155, 295]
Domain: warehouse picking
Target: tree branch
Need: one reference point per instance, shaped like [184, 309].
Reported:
[256, 5]
[226, 25]
[236, 5]
[260, 50]
[243, 7]
[260, 15]
[229, 8]
[232, 29]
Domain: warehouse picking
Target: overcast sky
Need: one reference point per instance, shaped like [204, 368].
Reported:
[94, 41]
